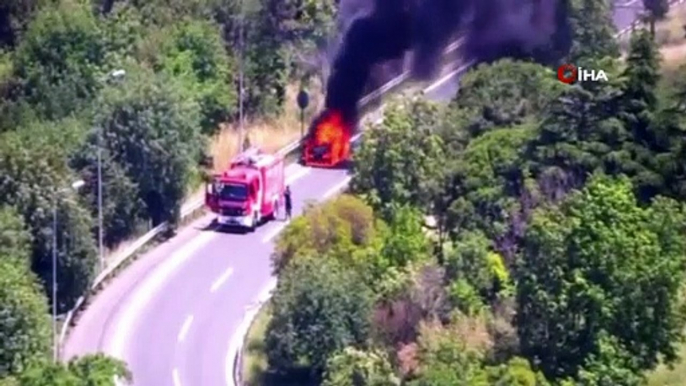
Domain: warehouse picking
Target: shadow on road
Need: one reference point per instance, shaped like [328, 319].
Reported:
[214, 226]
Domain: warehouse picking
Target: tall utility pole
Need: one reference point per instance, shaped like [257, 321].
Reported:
[241, 58]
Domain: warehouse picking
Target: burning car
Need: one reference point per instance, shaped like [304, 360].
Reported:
[327, 143]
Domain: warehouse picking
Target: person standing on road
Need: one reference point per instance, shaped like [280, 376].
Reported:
[289, 204]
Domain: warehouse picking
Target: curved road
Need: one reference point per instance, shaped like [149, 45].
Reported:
[173, 314]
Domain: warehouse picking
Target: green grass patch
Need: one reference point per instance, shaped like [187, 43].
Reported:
[254, 366]
[254, 369]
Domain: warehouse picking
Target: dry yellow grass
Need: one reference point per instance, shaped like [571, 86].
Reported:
[269, 135]
[670, 31]
[673, 57]
[671, 37]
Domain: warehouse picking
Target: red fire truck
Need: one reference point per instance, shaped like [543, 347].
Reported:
[249, 191]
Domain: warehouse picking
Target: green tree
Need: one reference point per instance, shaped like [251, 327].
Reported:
[400, 158]
[600, 279]
[593, 31]
[516, 372]
[24, 321]
[447, 359]
[14, 16]
[472, 261]
[505, 93]
[580, 132]
[15, 239]
[59, 58]
[669, 120]
[300, 22]
[166, 12]
[90, 370]
[486, 179]
[319, 308]
[640, 107]
[353, 367]
[338, 229]
[266, 73]
[9, 381]
[196, 55]
[642, 76]
[99, 370]
[405, 241]
[35, 180]
[151, 128]
[123, 209]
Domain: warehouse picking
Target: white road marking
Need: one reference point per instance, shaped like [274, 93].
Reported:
[186, 326]
[176, 377]
[148, 288]
[447, 77]
[224, 277]
[336, 188]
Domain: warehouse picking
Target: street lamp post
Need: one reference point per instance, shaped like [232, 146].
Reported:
[76, 185]
[114, 75]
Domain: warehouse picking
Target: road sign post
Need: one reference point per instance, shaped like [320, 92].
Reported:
[303, 102]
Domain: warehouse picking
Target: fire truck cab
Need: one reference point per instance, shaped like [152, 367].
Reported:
[249, 191]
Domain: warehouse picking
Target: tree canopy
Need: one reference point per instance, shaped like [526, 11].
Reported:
[527, 233]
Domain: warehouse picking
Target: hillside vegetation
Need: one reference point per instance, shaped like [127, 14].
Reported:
[62, 98]
[556, 254]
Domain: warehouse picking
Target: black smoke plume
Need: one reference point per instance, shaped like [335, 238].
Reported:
[378, 32]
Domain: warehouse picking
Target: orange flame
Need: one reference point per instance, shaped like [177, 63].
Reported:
[329, 143]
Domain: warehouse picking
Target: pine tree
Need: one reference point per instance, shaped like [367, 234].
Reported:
[593, 31]
[642, 75]
[639, 115]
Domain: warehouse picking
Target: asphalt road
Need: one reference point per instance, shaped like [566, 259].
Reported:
[172, 315]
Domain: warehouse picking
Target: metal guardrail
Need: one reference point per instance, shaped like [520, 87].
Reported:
[187, 210]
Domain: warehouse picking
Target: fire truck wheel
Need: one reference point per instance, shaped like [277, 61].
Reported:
[253, 224]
